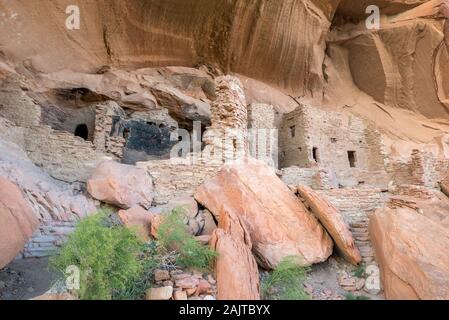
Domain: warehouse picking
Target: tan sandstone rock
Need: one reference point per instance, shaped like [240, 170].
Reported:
[209, 223]
[180, 295]
[156, 221]
[161, 275]
[137, 218]
[121, 185]
[163, 293]
[334, 223]
[17, 221]
[236, 269]
[412, 252]
[278, 223]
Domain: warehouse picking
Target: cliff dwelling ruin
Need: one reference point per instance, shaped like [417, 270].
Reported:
[268, 121]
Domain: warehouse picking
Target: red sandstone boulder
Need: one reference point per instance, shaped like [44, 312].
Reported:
[236, 269]
[333, 221]
[412, 252]
[17, 222]
[278, 223]
[139, 219]
[121, 185]
[156, 221]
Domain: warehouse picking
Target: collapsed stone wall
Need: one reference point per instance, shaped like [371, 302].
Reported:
[422, 168]
[420, 192]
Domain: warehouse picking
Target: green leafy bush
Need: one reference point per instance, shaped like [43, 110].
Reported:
[286, 281]
[174, 236]
[115, 264]
[110, 258]
[351, 296]
[359, 271]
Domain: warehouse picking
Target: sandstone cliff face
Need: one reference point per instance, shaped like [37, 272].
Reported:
[357, 9]
[281, 43]
[308, 49]
[405, 63]
[396, 76]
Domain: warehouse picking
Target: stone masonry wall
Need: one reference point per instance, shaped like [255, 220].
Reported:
[315, 178]
[68, 119]
[104, 118]
[356, 206]
[64, 156]
[263, 133]
[422, 169]
[16, 105]
[227, 135]
[310, 135]
[172, 179]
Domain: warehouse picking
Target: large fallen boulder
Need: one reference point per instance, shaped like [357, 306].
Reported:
[122, 185]
[236, 269]
[278, 223]
[17, 221]
[412, 252]
[333, 221]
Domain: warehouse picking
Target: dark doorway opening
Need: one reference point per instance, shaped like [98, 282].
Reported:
[82, 131]
[315, 155]
[292, 131]
[352, 159]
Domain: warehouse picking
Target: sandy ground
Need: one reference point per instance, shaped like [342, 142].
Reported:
[24, 279]
[323, 281]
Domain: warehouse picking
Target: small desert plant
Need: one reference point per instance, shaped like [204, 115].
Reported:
[110, 259]
[286, 281]
[173, 236]
[350, 296]
[359, 271]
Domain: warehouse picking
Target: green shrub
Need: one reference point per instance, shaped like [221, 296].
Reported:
[286, 281]
[359, 271]
[350, 296]
[110, 258]
[174, 236]
[150, 261]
